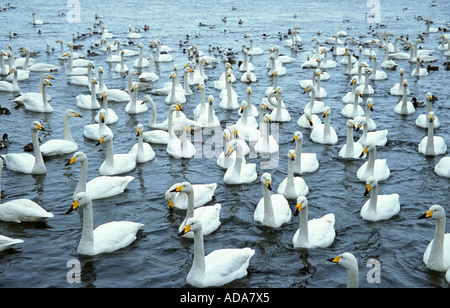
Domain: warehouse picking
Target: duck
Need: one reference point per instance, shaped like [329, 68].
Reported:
[324, 133]
[85, 101]
[67, 145]
[376, 73]
[272, 210]
[108, 237]
[419, 71]
[442, 168]
[404, 107]
[209, 216]
[203, 194]
[303, 162]
[229, 101]
[432, 145]
[292, 186]
[354, 109]
[220, 266]
[115, 164]
[111, 116]
[25, 162]
[35, 104]
[280, 113]
[99, 187]
[22, 210]
[144, 151]
[149, 76]
[239, 172]
[314, 233]
[350, 149]
[267, 144]
[422, 120]
[13, 86]
[349, 262]
[377, 168]
[379, 207]
[397, 89]
[4, 143]
[379, 137]
[133, 106]
[437, 254]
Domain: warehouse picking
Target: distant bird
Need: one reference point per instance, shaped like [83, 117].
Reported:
[4, 110]
[4, 143]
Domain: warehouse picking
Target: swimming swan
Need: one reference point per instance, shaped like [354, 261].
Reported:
[292, 186]
[239, 172]
[144, 151]
[115, 164]
[404, 107]
[324, 133]
[422, 119]
[379, 207]
[432, 145]
[303, 162]
[203, 193]
[350, 149]
[89, 101]
[35, 104]
[349, 262]
[373, 167]
[442, 168]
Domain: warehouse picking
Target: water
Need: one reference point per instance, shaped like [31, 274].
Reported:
[158, 258]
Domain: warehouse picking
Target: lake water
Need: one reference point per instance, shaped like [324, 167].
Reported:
[159, 258]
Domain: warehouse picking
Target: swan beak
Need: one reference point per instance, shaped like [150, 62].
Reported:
[371, 107]
[236, 134]
[298, 208]
[75, 204]
[102, 118]
[139, 132]
[177, 189]
[306, 90]
[39, 126]
[230, 150]
[292, 156]
[171, 204]
[268, 184]
[325, 114]
[179, 107]
[431, 118]
[364, 152]
[358, 127]
[78, 115]
[427, 214]
[310, 122]
[294, 139]
[186, 229]
[100, 141]
[368, 187]
[71, 161]
[335, 260]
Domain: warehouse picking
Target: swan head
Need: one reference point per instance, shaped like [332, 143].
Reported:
[431, 116]
[298, 136]
[226, 134]
[192, 224]
[80, 199]
[267, 118]
[72, 113]
[368, 147]
[351, 123]
[36, 125]
[105, 137]
[359, 121]
[326, 111]
[77, 156]
[185, 187]
[46, 82]
[435, 211]
[139, 129]
[370, 183]
[210, 99]
[369, 102]
[263, 107]
[402, 71]
[308, 88]
[302, 203]
[266, 180]
[291, 155]
[345, 259]
[147, 98]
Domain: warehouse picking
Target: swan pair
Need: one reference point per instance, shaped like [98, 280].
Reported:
[239, 172]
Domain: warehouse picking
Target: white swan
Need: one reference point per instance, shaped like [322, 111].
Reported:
[239, 172]
[35, 104]
[379, 137]
[280, 113]
[379, 207]
[314, 106]
[105, 238]
[254, 51]
[7, 242]
[324, 133]
[110, 57]
[25, 162]
[387, 64]
[437, 254]
[21, 210]
[79, 80]
[225, 160]
[13, 86]
[349, 262]
[247, 124]
[292, 186]
[366, 88]
[121, 67]
[149, 76]
[349, 97]
[160, 57]
[272, 210]
[246, 65]
[99, 187]
[432, 145]
[118, 95]
[229, 101]
[115, 164]
[110, 115]
[267, 144]
[397, 89]
[133, 106]
[419, 71]
[23, 62]
[404, 107]
[35, 95]
[161, 136]
[354, 109]
[176, 94]
[209, 216]
[36, 21]
[248, 77]
[89, 101]
[126, 52]
[442, 168]
[350, 149]
[144, 151]
[180, 147]
[62, 146]
[276, 67]
[209, 119]
[72, 70]
[203, 193]
[308, 120]
[422, 119]
[220, 266]
[95, 131]
[303, 162]
[377, 168]
[376, 73]
[314, 233]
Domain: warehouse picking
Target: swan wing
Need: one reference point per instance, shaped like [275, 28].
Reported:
[107, 186]
[114, 235]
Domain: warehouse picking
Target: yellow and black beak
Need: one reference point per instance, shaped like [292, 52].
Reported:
[364, 152]
[427, 214]
[268, 184]
[75, 204]
[292, 156]
[138, 132]
[186, 229]
[177, 189]
[298, 208]
[335, 260]
[294, 139]
[368, 188]
[71, 161]
[102, 139]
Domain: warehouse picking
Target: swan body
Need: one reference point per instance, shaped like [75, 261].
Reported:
[267, 144]
[404, 107]
[133, 107]
[379, 207]
[13, 86]
[432, 145]
[62, 146]
[110, 115]
[314, 233]
[107, 237]
[254, 51]
[324, 133]
[308, 120]
[220, 266]
[354, 109]
[160, 57]
[144, 151]
[349, 97]
[95, 131]
[161, 136]
[180, 147]
[442, 168]
[7, 242]
[279, 114]
[118, 96]
[377, 168]
[273, 209]
[38, 104]
[25, 162]
[89, 101]
[350, 149]
[115, 164]
[379, 138]
[397, 89]
[303, 162]
[292, 186]
[149, 76]
[239, 172]
[82, 80]
[203, 193]
[314, 106]
[99, 187]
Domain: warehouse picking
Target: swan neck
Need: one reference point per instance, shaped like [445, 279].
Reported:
[198, 263]
[373, 199]
[371, 161]
[269, 219]
[109, 153]
[430, 140]
[67, 133]
[82, 182]
[303, 234]
[349, 143]
[39, 165]
[298, 157]
[437, 248]
[154, 113]
[352, 277]
[86, 244]
[190, 203]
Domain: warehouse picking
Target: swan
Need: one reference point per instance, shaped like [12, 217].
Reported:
[133, 35]
[118, 95]
[75, 71]
[161, 136]
[133, 107]
[152, 123]
[422, 120]
[23, 62]
[79, 80]
[349, 262]
[13, 86]
[36, 21]
[377, 168]
[209, 216]
[224, 160]
[404, 107]
[240, 172]
[432, 145]
[149, 76]
[99, 187]
[314, 233]
[324, 133]
[349, 97]
[308, 82]
[254, 51]
[419, 71]
[236, 135]
[62, 146]
[21, 210]
[248, 125]
[248, 77]
[272, 210]
[220, 266]
[25, 162]
[89, 101]
[303, 162]
[221, 83]
[309, 62]
[203, 193]
[442, 168]
[308, 120]
[229, 101]
[360, 78]
[7, 242]
[350, 149]
[110, 115]
[280, 114]
[270, 89]
[292, 186]
[95, 131]
[379, 137]
[366, 88]
[160, 57]
[35, 95]
[22, 74]
[4, 69]
[176, 95]
[121, 67]
[126, 52]
[180, 147]
[314, 106]
[369, 121]
[105, 238]
[282, 58]
[326, 63]
[377, 74]
[35, 104]
[209, 119]
[110, 57]
[437, 254]
[251, 110]
[144, 151]
[397, 89]
[278, 67]
[379, 207]
[388, 64]
[40, 67]
[354, 109]
[267, 144]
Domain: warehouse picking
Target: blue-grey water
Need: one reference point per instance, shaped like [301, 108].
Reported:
[159, 258]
